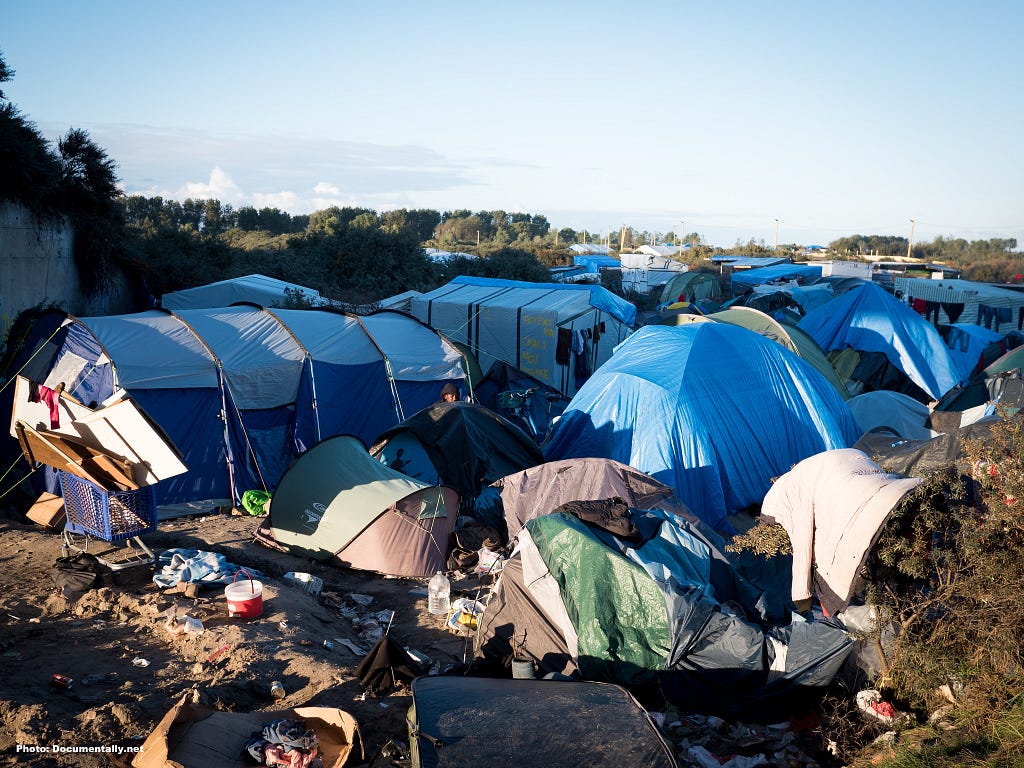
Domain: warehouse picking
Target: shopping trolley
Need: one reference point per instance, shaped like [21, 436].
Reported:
[116, 517]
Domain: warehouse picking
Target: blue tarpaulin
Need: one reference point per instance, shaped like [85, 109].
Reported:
[712, 410]
[869, 319]
[748, 278]
[594, 262]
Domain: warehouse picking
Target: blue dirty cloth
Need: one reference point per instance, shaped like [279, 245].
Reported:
[195, 565]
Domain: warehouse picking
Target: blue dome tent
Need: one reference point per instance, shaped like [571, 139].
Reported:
[714, 411]
[869, 319]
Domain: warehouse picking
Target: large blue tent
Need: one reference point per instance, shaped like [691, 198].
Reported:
[712, 410]
[242, 390]
[869, 319]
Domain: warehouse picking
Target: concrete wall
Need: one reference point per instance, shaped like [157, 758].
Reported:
[37, 268]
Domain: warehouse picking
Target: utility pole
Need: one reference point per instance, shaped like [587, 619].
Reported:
[622, 238]
[682, 234]
[776, 247]
[910, 243]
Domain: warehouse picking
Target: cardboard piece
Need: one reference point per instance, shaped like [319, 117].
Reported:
[48, 511]
[194, 736]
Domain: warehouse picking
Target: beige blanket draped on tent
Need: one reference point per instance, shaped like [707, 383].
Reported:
[833, 506]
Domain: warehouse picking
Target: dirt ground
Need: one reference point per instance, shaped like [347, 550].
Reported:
[128, 670]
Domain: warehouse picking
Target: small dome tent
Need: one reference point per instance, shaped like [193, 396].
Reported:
[462, 445]
[338, 503]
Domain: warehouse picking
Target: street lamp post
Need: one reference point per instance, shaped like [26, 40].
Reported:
[910, 243]
[776, 235]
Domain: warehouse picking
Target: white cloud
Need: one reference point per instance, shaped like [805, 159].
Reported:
[326, 189]
[220, 187]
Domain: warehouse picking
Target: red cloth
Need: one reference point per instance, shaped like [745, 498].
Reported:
[920, 306]
[52, 399]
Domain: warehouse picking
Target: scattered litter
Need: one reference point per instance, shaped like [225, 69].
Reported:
[356, 649]
[369, 629]
[463, 620]
[420, 591]
[870, 703]
[138, 661]
[307, 582]
[33, 621]
[658, 718]
[193, 626]
[218, 652]
[363, 600]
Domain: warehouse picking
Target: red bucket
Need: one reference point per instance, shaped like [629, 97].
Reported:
[245, 599]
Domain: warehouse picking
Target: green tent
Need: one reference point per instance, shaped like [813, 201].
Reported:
[337, 501]
[692, 287]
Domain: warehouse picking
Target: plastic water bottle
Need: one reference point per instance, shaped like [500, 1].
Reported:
[439, 593]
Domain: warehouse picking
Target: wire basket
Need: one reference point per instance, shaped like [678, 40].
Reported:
[108, 515]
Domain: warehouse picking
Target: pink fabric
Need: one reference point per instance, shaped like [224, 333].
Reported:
[52, 399]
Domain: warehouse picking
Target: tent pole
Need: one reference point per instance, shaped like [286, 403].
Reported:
[228, 455]
[399, 414]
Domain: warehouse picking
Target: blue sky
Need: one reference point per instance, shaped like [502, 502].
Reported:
[834, 118]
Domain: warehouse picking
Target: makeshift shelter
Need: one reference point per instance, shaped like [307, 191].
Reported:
[869, 320]
[918, 458]
[892, 412]
[461, 445]
[692, 287]
[338, 503]
[252, 289]
[457, 720]
[833, 506]
[594, 262]
[242, 390]
[711, 410]
[557, 333]
[647, 610]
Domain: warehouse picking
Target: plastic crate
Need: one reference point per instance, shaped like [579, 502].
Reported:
[108, 515]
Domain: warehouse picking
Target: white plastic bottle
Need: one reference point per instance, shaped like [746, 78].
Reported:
[439, 593]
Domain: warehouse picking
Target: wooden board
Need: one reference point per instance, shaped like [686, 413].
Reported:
[71, 455]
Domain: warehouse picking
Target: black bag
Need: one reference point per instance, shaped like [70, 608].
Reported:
[78, 573]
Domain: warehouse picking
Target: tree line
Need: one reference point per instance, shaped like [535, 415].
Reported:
[350, 254]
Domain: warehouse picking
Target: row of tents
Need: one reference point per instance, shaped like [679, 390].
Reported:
[621, 570]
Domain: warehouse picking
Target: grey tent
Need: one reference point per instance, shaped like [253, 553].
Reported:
[539, 490]
[337, 502]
